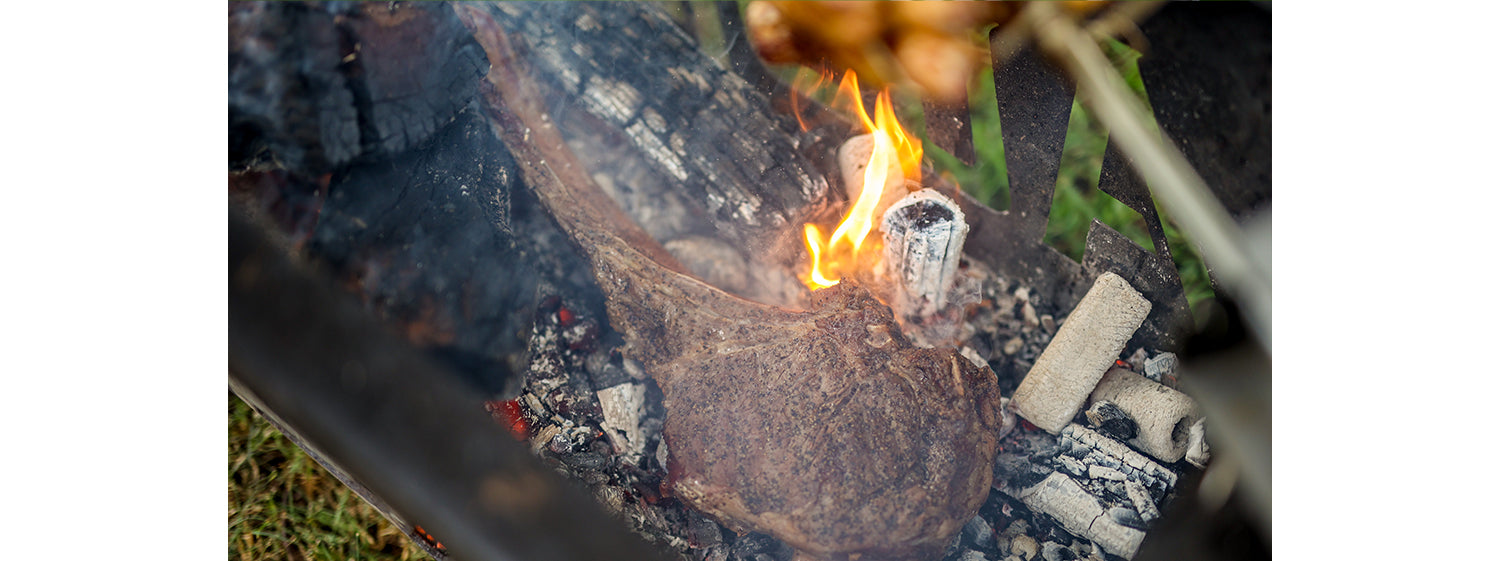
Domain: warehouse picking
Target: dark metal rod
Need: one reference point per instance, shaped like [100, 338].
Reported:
[398, 422]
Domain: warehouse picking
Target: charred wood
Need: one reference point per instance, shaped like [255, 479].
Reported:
[314, 86]
[685, 146]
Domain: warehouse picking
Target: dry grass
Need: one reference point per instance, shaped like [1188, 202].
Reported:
[284, 506]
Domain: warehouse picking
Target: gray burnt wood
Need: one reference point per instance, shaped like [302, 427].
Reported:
[662, 125]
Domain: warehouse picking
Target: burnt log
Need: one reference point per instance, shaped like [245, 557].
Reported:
[315, 86]
[827, 429]
[686, 147]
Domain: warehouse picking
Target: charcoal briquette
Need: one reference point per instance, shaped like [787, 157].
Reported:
[584, 460]
[1053, 551]
[1127, 517]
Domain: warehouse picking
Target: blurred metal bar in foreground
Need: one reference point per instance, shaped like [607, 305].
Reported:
[397, 422]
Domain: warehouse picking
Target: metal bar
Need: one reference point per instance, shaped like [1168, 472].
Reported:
[1171, 178]
[337, 471]
[1035, 103]
[398, 422]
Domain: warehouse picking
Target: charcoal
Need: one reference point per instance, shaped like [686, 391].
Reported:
[1072, 466]
[1128, 518]
[1100, 472]
[584, 460]
[1053, 551]
[1079, 512]
[978, 533]
[924, 237]
[1161, 368]
[560, 445]
[1108, 418]
[717, 553]
[702, 532]
[1144, 503]
[971, 555]
[755, 546]
[1024, 546]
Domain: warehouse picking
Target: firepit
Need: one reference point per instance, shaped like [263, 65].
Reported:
[625, 253]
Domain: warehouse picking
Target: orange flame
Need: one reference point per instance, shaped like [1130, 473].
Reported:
[837, 254]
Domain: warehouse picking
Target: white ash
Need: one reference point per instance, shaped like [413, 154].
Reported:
[971, 555]
[1000, 334]
[1093, 448]
[973, 356]
[624, 405]
[1049, 324]
[1108, 418]
[1105, 470]
[1024, 547]
[1127, 517]
[1062, 498]
[1097, 471]
[977, 532]
[1137, 359]
[1013, 345]
[1141, 499]
[543, 437]
[924, 235]
[1197, 452]
[1073, 466]
[1028, 311]
[1161, 369]
[662, 454]
[1053, 551]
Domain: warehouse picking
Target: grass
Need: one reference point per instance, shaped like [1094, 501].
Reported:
[284, 506]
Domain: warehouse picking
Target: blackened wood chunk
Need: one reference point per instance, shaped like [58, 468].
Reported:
[414, 66]
[315, 86]
[424, 238]
[286, 91]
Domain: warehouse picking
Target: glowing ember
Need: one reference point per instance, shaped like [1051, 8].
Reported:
[839, 253]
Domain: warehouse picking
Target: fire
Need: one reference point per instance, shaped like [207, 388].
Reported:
[838, 253]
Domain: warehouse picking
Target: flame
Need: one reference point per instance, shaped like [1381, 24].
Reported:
[807, 82]
[892, 143]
